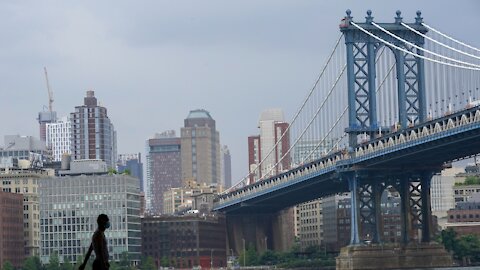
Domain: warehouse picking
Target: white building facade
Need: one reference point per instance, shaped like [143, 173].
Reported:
[59, 136]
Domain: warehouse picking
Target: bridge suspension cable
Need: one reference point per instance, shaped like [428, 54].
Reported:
[438, 42]
[322, 73]
[411, 53]
[450, 38]
[423, 49]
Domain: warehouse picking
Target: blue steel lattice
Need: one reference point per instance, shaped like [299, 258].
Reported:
[361, 73]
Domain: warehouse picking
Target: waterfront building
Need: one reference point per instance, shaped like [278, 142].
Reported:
[441, 191]
[185, 241]
[200, 149]
[93, 134]
[59, 138]
[465, 217]
[12, 247]
[272, 127]
[26, 181]
[132, 163]
[163, 169]
[310, 223]
[70, 205]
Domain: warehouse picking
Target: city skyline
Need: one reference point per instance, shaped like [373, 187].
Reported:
[271, 41]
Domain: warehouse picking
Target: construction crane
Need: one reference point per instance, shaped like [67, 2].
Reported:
[50, 93]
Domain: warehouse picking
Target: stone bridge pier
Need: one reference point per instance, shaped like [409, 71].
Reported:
[265, 231]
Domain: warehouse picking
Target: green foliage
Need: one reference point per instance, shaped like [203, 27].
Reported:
[164, 262]
[268, 258]
[470, 180]
[147, 263]
[465, 248]
[66, 265]
[127, 172]
[53, 262]
[7, 266]
[249, 257]
[32, 263]
[112, 171]
[124, 263]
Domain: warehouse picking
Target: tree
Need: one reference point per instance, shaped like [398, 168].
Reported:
[127, 172]
[250, 256]
[147, 263]
[53, 262]
[124, 263]
[7, 266]
[448, 239]
[32, 263]
[66, 265]
[468, 248]
[165, 262]
[269, 257]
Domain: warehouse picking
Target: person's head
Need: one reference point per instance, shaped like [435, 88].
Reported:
[103, 222]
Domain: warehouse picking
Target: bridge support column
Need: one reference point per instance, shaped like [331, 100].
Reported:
[377, 197]
[425, 181]
[405, 209]
[354, 210]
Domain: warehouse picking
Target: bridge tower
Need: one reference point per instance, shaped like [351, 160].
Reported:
[367, 184]
[362, 50]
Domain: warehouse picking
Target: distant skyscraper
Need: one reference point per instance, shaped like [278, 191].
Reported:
[200, 148]
[272, 125]
[44, 118]
[12, 246]
[163, 169]
[226, 165]
[132, 163]
[59, 138]
[93, 135]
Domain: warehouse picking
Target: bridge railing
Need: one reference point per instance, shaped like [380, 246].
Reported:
[391, 141]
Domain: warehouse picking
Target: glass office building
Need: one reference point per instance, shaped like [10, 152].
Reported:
[69, 206]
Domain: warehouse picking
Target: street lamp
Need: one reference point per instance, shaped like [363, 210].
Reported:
[244, 254]
[211, 259]
[266, 245]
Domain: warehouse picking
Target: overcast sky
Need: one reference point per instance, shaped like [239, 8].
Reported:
[150, 62]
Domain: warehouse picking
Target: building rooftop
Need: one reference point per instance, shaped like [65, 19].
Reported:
[199, 113]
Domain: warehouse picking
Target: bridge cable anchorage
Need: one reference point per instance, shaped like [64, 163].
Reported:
[438, 42]
[411, 53]
[343, 114]
[423, 49]
[329, 59]
[311, 121]
[450, 38]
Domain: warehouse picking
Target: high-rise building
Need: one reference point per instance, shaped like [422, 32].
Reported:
[163, 169]
[12, 247]
[70, 205]
[200, 148]
[93, 134]
[59, 138]
[226, 167]
[273, 131]
[21, 147]
[26, 182]
[132, 163]
[45, 118]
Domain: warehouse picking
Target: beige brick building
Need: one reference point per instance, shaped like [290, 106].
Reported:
[25, 181]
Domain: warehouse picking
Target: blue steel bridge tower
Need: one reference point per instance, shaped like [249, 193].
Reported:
[362, 51]
[366, 183]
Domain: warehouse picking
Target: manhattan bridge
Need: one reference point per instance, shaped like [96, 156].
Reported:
[394, 103]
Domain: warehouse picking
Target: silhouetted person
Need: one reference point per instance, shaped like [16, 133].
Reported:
[99, 245]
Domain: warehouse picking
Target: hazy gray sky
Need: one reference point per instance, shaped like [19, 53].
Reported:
[150, 62]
